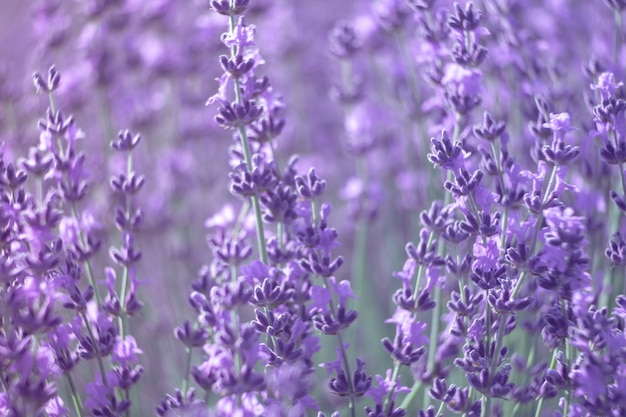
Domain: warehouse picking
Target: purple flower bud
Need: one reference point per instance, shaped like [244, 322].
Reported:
[126, 141]
[230, 8]
[446, 154]
[191, 337]
[50, 84]
[465, 20]
[344, 41]
[238, 66]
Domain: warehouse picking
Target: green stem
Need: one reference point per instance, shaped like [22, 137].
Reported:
[419, 274]
[185, 383]
[434, 337]
[496, 157]
[394, 378]
[439, 411]
[546, 194]
[95, 346]
[280, 234]
[271, 143]
[243, 212]
[411, 395]
[542, 399]
[81, 236]
[123, 317]
[126, 272]
[89, 270]
[568, 395]
[505, 222]
[485, 406]
[39, 192]
[359, 255]
[494, 359]
[78, 404]
[344, 359]
[408, 65]
[245, 145]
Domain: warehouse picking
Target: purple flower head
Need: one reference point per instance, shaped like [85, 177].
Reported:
[408, 271]
[343, 290]
[69, 230]
[99, 394]
[607, 85]
[486, 254]
[242, 37]
[476, 330]
[559, 122]
[434, 276]
[56, 408]
[291, 383]
[320, 298]
[255, 272]
[222, 218]
[125, 351]
[407, 325]
[462, 80]
[565, 228]
[446, 154]
[384, 387]
[336, 365]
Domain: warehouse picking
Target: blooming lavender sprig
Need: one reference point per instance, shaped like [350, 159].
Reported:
[509, 303]
[28, 299]
[128, 220]
[609, 129]
[329, 311]
[244, 110]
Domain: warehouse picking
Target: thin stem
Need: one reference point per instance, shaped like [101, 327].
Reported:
[505, 222]
[126, 272]
[394, 377]
[411, 395]
[124, 316]
[39, 191]
[434, 337]
[243, 212]
[89, 269]
[421, 269]
[95, 346]
[494, 359]
[485, 406]
[280, 234]
[542, 399]
[81, 236]
[314, 213]
[568, 394]
[359, 255]
[245, 145]
[533, 242]
[496, 157]
[529, 362]
[273, 150]
[440, 410]
[408, 65]
[53, 106]
[185, 383]
[344, 358]
[78, 403]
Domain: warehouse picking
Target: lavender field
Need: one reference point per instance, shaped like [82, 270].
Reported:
[328, 208]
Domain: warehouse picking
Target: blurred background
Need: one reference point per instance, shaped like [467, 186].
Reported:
[150, 66]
